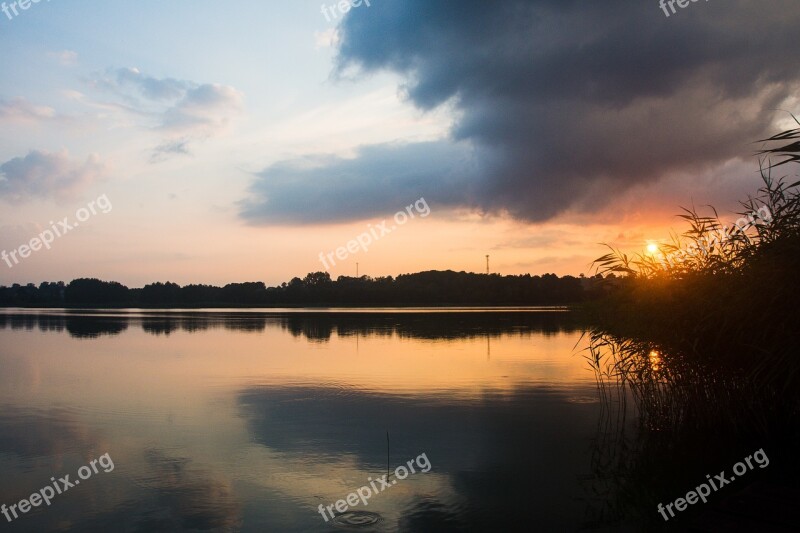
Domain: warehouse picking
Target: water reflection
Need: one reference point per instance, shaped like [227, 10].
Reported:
[657, 404]
[497, 461]
[31, 434]
[185, 497]
[249, 421]
[311, 325]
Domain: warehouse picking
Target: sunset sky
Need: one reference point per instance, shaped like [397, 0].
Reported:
[238, 140]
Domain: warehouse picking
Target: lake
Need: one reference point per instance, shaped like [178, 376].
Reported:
[259, 420]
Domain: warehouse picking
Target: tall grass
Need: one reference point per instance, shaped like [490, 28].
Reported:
[710, 246]
[703, 341]
[714, 300]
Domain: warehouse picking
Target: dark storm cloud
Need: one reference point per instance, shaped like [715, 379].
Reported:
[381, 180]
[568, 102]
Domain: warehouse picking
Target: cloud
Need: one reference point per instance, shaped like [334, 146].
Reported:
[21, 110]
[326, 39]
[572, 103]
[47, 175]
[66, 58]
[169, 148]
[182, 111]
[379, 181]
[138, 88]
[203, 110]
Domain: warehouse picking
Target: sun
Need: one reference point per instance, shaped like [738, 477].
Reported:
[655, 360]
[652, 248]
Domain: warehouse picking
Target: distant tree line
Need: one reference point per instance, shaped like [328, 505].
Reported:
[433, 288]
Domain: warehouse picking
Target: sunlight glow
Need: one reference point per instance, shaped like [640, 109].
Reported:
[655, 360]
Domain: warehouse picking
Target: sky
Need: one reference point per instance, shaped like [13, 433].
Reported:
[211, 142]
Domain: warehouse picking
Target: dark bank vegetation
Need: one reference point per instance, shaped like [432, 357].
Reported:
[316, 289]
[728, 306]
[703, 346]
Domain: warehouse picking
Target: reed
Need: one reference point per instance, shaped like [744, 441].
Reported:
[728, 305]
[703, 350]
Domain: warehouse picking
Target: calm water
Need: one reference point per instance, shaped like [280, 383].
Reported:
[248, 421]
